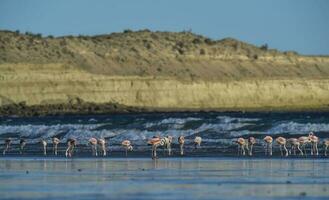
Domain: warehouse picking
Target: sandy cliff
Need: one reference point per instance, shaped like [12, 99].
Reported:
[155, 71]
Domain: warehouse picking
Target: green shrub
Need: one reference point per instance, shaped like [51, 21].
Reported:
[127, 31]
[264, 47]
[209, 41]
[197, 41]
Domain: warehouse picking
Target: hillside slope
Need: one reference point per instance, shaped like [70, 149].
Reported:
[154, 71]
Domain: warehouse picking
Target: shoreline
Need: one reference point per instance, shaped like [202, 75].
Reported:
[88, 108]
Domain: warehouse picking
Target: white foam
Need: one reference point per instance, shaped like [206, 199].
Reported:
[298, 128]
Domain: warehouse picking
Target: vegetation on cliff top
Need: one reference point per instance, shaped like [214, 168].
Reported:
[146, 53]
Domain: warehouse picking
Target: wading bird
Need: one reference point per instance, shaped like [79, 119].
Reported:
[294, 144]
[166, 143]
[281, 141]
[71, 143]
[155, 142]
[7, 145]
[22, 143]
[242, 145]
[268, 145]
[303, 141]
[56, 141]
[93, 143]
[127, 145]
[44, 146]
[251, 143]
[314, 143]
[197, 142]
[326, 146]
[102, 144]
[181, 141]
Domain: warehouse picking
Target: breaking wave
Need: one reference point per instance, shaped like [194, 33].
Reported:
[213, 128]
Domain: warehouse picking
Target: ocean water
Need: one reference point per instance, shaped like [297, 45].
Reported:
[212, 172]
[218, 130]
[168, 178]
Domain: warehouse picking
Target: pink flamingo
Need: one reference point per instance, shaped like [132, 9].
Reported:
[102, 144]
[56, 141]
[181, 141]
[71, 143]
[155, 142]
[127, 145]
[282, 143]
[242, 144]
[303, 141]
[44, 146]
[93, 142]
[326, 145]
[197, 142]
[294, 143]
[22, 143]
[314, 143]
[7, 145]
[268, 148]
[251, 142]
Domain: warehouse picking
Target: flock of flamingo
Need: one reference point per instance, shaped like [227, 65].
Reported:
[166, 142]
[294, 143]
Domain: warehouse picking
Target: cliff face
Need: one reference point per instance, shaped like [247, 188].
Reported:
[158, 71]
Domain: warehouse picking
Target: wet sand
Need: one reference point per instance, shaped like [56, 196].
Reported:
[169, 178]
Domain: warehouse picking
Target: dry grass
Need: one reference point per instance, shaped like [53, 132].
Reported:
[181, 55]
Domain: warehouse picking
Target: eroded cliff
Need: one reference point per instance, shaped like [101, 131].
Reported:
[155, 71]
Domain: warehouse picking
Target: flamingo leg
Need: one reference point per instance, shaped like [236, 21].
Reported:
[285, 148]
[5, 150]
[316, 149]
[181, 149]
[243, 150]
[250, 150]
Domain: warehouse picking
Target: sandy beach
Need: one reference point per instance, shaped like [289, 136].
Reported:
[171, 178]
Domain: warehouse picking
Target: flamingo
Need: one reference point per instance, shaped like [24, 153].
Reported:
[282, 142]
[294, 143]
[251, 142]
[326, 145]
[56, 141]
[197, 142]
[71, 143]
[44, 145]
[268, 148]
[155, 142]
[7, 145]
[22, 143]
[166, 142]
[314, 143]
[102, 144]
[181, 141]
[242, 144]
[93, 142]
[127, 145]
[303, 142]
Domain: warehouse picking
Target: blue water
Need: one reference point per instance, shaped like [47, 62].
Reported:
[168, 178]
[218, 130]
